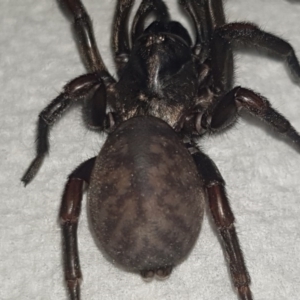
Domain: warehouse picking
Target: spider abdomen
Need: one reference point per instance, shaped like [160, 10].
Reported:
[146, 200]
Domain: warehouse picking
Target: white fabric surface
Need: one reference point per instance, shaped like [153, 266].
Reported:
[38, 56]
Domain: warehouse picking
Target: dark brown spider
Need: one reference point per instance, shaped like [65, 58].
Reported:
[148, 186]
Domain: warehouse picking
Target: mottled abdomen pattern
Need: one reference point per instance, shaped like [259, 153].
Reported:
[146, 199]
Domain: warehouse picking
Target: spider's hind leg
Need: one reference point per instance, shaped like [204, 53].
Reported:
[69, 215]
[223, 218]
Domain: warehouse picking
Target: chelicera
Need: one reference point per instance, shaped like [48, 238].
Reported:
[149, 184]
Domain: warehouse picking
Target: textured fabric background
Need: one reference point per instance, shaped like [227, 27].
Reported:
[38, 56]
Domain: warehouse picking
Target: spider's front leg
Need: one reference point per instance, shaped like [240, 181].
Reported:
[89, 85]
[224, 220]
[147, 6]
[206, 15]
[224, 110]
[85, 36]
[121, 38]
[69, 215]
[250, 35]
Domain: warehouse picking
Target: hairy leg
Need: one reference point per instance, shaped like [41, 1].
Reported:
[85, 35]
[120, 39]
[78, 89]
[69, 216]
[223, 219]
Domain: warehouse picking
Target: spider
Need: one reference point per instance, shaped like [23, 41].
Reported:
[149, 184]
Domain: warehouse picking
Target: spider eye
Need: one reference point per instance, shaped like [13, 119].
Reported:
[177, 29]
[172, 27]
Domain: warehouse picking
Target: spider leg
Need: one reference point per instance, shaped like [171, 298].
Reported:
[146, 7]
[79, 88]
[223, 218]
[69, 215]
[248, 34]
[216, 13]
[86, 40]
[120, 39]
[206, 16]
[225, 112]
